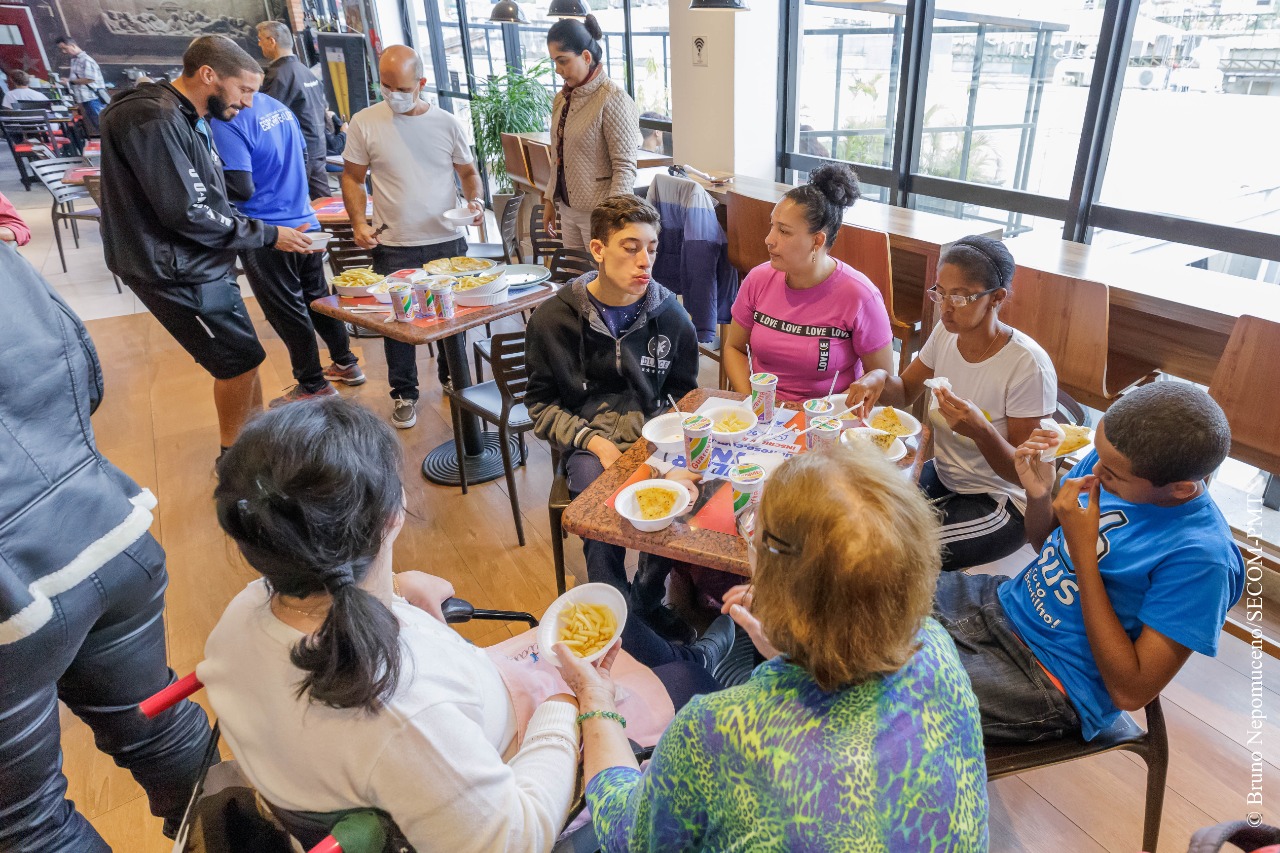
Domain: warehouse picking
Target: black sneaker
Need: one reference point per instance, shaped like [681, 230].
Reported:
[742, 660]
[668, 625]
[713, 647]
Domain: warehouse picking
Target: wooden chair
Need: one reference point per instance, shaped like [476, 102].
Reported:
[517, 165]
[499, 401]
[867, 251]
[1152, 746]
[748, 220]
[1070, 318]
[538, 158]
[50, 173]
[542, 243]
[1242, 386]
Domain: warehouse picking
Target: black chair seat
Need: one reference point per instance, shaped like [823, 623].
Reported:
[488, 251]
[1009, 759]
[486, 400]
[82, 213]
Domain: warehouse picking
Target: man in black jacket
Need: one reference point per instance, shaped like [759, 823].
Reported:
[292, 84]
[603, 355]
[82, 586]
[170, 232]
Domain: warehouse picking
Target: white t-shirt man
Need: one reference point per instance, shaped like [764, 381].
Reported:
[411, 160]
[14, 97]
[1017, 382]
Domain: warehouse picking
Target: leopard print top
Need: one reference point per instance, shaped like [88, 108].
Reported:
[777, 764]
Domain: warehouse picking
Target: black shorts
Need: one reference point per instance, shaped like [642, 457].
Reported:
[210, 321]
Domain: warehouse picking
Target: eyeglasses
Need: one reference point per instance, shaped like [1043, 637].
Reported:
[955, 299]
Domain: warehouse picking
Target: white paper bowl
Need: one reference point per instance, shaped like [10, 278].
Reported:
[908, 421]
[895, 452]
[460, 215]
[625, 504]
[665, 432]
[587, 593]
[720, 411]
[499, 283]
[838, 400]
[319, 239]
[495, 298]
[354, 290]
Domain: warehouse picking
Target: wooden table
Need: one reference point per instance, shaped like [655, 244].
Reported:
[330, 210]
[75, 177]
[482, 451]
[591, 517]
[644, 159]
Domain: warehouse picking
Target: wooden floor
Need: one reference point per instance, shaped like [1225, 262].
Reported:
[157, 423]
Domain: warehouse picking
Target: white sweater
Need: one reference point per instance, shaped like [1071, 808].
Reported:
[432, 757]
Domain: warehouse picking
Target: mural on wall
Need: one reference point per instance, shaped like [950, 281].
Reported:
[126, 31]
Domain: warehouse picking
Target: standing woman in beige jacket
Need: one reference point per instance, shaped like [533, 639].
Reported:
[595, 131]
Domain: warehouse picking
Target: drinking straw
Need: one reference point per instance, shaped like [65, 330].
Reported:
[837, 417]
[834, 379]
[674, 407]
[751, 371]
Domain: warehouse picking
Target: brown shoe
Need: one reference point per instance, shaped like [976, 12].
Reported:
[296, 393]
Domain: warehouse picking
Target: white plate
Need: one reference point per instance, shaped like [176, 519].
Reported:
[720, 411]
[896, 451]
[587, 593]
[526, 275]
[665, 432]
[625, 504]
[471, 300]
[909, 422]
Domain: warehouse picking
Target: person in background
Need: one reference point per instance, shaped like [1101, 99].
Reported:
[20, 93]
[1127, 585]
[86, 81]
[264, 160]
[415, 151]
[1001, 384]
[594, 133]
[290, 82]
[168, 229]
[82, 585]
[335, 138]
[12, 227]
[805, 314]
[859, 733]
[655, 140]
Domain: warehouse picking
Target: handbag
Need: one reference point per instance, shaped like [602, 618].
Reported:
[1251, 839]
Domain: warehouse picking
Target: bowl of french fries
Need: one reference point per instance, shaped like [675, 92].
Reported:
[731, 422]
[587, 619]
[356, 282]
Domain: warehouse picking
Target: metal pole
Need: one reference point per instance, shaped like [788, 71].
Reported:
[629, 74]
[894, 59]
[915, 71]
[835, 111]
[975, 78]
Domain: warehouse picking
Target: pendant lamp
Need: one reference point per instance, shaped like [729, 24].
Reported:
[508, 12]
[731, 5]
[568, 9]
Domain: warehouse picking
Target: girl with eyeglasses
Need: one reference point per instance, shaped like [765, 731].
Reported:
[1002, 384]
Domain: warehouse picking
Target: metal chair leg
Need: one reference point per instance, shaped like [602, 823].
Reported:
[57, 235]
[504, 438]
[1156, 756]
[557, 545]
[456, 410]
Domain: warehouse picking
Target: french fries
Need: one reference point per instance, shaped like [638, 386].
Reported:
[587, 628]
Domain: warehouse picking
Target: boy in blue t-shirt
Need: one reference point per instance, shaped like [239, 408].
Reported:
[264, 160]
[1136, 571]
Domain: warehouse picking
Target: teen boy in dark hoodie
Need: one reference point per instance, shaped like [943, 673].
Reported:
[604, 353]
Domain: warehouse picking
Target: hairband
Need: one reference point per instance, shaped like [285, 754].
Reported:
[335, 578]
[987, 255]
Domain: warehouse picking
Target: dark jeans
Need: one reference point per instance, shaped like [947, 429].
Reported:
[684, 680]
[102, 653]
[286, 283]
[318, 178]
[976, 529]
[1017, 700]
[91, 110]
[402, 358]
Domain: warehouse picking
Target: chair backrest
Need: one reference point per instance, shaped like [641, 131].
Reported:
[93, 186]
[867, 251]
[513, 152]
[538, 157]
[1069, 318]
[344, 254]
[568, 264]
[543, 244]
[748, 220]
[508, 226]
[510, 371]
[1241, 386]
[50, 173]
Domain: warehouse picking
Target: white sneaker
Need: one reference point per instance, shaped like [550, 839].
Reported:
[405, 413]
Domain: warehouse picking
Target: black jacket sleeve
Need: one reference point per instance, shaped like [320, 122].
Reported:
[683, 375]
[178, 195]
[239, 185]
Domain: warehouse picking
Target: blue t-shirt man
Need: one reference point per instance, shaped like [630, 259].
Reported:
[1173, 568]
[265, 141]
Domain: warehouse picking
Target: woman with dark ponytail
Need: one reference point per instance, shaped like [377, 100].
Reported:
[333, 690]
[595, 132]
[805, 314]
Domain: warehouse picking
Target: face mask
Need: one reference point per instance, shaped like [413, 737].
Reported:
[401, 102]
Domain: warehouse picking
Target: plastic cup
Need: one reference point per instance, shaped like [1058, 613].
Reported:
[747, 481]
[824, 431]
[445, 304]
[426, 301]
[764, 393]
[401, 302]
[819, 408]
[697, 442]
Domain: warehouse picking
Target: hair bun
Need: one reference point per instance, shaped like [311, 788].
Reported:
[837, 182]
[593, 27]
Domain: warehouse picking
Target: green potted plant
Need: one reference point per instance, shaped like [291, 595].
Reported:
[515, 102]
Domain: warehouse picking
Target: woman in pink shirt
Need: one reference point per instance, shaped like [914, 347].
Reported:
[806, 314]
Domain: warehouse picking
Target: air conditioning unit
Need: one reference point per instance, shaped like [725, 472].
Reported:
[1144, 77]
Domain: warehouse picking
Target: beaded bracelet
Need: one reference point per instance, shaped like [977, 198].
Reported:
[606, 715]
